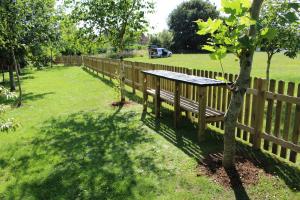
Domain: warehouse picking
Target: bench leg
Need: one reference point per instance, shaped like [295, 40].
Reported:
[145, 94]
[177, 105]
[157, 97]
[201, 113]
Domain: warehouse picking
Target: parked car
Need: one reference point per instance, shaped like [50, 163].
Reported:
[159, 52]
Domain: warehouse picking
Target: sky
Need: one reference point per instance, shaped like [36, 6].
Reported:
[158, 20]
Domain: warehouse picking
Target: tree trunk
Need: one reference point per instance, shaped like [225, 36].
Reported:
[122, 80]
[11, 78]
[19, 68]
[268, 70]
[239, 89]
[51, 57]
[18, 77]
[3, 75]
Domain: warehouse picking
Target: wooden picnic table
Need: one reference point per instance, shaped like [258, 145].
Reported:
[197, 107]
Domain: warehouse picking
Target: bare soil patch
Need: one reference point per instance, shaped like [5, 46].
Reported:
[120, 104]
[245, 171]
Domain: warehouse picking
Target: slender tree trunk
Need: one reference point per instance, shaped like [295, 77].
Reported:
[122, 81]
[11, 78]
[3, 75]
[239, 89]
[51, 57]
[19, 68]
[18, 77]
[268, 69]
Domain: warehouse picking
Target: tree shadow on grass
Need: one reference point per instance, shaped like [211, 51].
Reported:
[185, 139]
[89, 157]
[30, 96]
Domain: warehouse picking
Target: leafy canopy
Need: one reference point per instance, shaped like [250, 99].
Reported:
[280, 27]
[229, 34]
[112, 19]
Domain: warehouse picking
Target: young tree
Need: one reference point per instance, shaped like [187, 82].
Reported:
[237, 33]
[279, 32]
[115, 19]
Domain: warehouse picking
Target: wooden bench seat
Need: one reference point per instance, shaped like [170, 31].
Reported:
[211, 114]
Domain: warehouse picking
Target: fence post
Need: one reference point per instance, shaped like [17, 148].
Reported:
[133, 77]
[259, 114]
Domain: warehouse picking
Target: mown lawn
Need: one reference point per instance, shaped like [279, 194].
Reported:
[73, 145]
[282, 68]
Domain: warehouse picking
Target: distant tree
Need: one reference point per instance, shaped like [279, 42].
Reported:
[114, 19]
[162, 39]
[154, 40]
[182, 25]
[166, 38]
[280, 29]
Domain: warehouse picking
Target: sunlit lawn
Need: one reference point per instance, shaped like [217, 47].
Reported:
[73, 145]
[282, 68]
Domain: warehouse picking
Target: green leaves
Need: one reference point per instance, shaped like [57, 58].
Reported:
[228, 34]
[291, 17]
[247, 21]
[268, 33]
[236, 7]
[209, 48]
[219, 53]
[210, 26]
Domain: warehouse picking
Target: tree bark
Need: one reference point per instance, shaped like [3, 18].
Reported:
[239, 89]
[268, 69]
[11, 78]
[19, 68]
[122, 80]
[51, 57]
[18, 77]
[3, 75]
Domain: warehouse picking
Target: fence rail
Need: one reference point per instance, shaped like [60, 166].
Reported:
[269, 118]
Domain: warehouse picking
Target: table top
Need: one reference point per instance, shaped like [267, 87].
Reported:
[185, 78]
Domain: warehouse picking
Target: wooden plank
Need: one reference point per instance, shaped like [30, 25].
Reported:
[224, 100]
[210, 75]
[201, 113]
[287, 118]
[289, 145]
[253, 109]
[245, 128]
[145, 94]
[269, 115]
[133, 77]
[215, 93]
[247, 112]
[189, 94]
[219, 99]
[177, 104]
[282, 97]
[296, 130]
[157, 97]
[278, 117]
[259, 114]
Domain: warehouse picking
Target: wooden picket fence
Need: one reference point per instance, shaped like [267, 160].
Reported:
[269, 119]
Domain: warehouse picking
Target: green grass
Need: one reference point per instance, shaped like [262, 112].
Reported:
[74, 145]
[282, 68]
